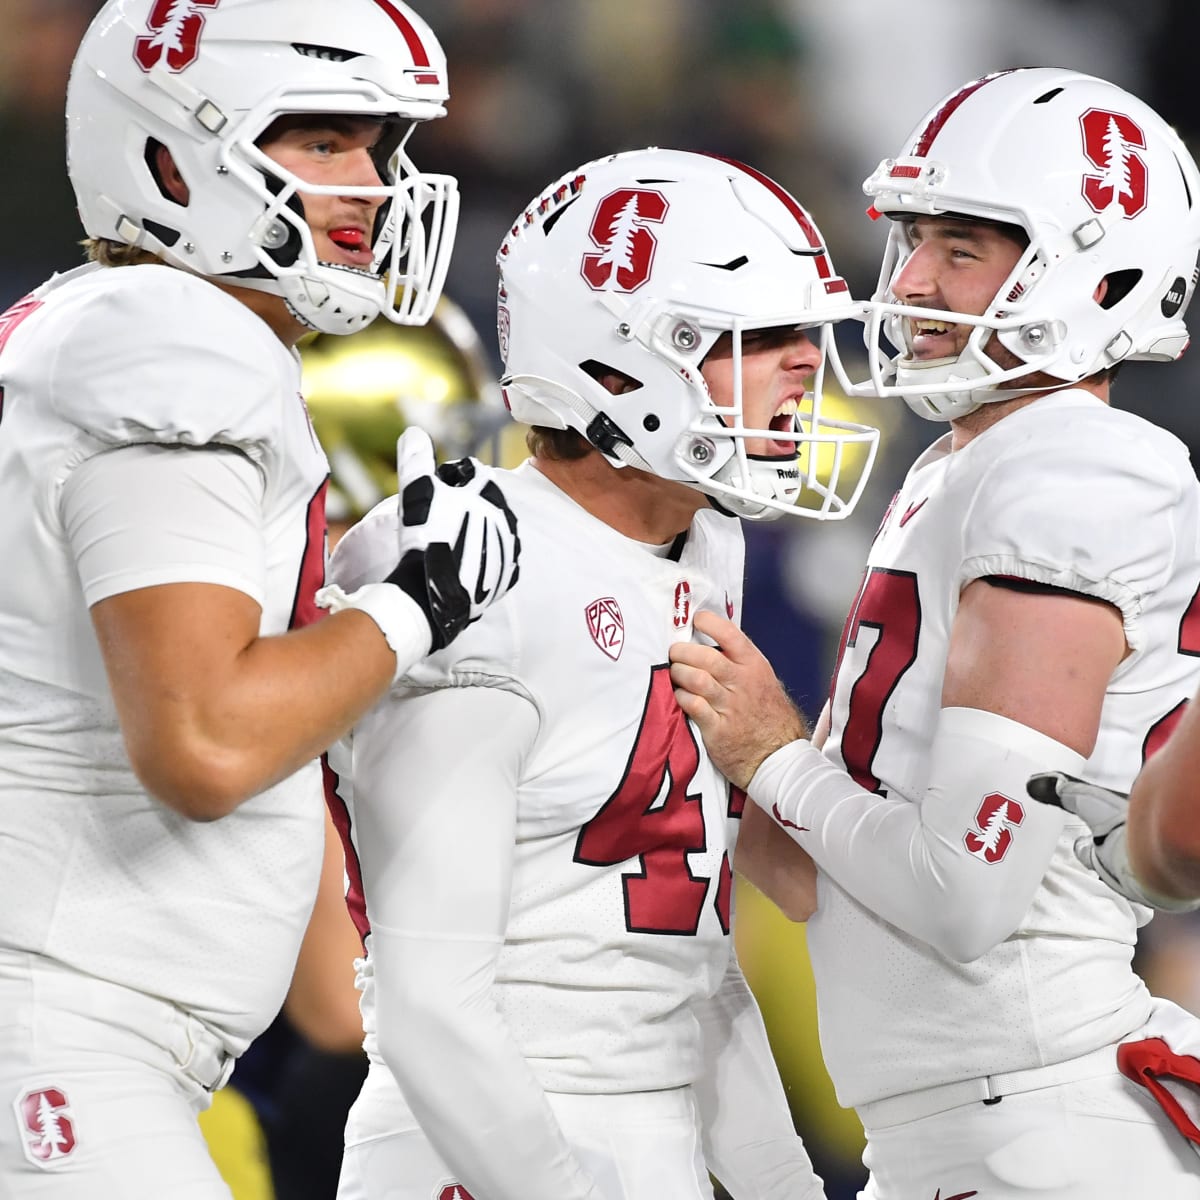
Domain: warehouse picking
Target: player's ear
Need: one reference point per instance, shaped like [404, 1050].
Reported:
[170, 182]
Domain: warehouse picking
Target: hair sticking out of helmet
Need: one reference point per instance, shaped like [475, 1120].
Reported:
[632, 268]
[363, 391]
[205, 79]
[1106, 194]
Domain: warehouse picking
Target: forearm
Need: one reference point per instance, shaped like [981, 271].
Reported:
[462, 1074]
[1162, 832]
[956, 870]
[749, 1141]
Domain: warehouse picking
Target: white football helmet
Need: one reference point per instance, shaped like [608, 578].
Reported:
[206, 78]
[638, 263]
[1105, 190]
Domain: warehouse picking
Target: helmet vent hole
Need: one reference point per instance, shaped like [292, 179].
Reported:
[650, 423]
[327, 53]
[1046, 97]
[1120, 284]
[1187, 191]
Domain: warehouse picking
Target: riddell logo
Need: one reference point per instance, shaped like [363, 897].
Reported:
[176, 26]
[47, 1125]
[996, 818]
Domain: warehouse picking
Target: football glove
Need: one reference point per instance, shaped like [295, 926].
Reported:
[1105, 852]
[459, 548]
[458, 553]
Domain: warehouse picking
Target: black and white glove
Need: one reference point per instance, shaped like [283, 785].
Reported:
[1105, 851]
[459, 548]
[459, 552]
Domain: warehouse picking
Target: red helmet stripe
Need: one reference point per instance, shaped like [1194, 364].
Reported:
[416, 47]
[943, 114]
[824, 270]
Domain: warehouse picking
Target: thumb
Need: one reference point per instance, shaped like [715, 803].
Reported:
[414, 455]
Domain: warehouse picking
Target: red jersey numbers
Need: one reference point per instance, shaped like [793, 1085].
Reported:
[1111, 142]
[626, 245]
[1189, 644]
[312, 563]
[889, 603]
[8, 324]
[653, 818]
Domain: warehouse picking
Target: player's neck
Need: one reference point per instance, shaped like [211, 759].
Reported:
[635, 503]
[269, 308]
[966, 429]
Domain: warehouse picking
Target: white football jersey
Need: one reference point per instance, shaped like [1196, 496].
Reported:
[622, 889]
[99, 876]
[1066, 492]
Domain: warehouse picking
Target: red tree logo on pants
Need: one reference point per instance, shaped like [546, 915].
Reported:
[626, 247]
[47, 1126]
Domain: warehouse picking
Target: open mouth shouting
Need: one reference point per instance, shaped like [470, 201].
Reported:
[933, 339]
[784, 421]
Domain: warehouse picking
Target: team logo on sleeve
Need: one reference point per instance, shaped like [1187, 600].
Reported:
[625, 245]
[47, 1125]
[607, 626]
[454, 1191]
[995, 821]
[174, 40]
[1111, 142]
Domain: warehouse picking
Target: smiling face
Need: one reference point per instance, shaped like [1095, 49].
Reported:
[776, 367]
[333, 151]
[956, 265]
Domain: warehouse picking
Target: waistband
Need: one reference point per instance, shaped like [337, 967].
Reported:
[987, 1089]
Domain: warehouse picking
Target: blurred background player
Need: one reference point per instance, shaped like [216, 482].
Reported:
[1026, 604]
[242, 176]
[551, 1003]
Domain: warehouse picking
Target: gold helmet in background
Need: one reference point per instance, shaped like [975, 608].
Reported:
[365, 388]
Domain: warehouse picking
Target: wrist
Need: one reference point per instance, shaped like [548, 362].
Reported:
[404, 626]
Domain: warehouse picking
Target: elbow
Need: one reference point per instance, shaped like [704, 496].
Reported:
[971, 935]
[199, 786]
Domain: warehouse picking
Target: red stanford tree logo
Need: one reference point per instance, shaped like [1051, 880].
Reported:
[997, 817]
[454, 1191]
[626, 245]
[1111, 141]
[176, 26]
[47, 1125]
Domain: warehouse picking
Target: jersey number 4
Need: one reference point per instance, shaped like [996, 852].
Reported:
[652, 818]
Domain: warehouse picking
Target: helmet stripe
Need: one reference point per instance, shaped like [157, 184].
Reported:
[416, 47]
[947, 110]
[824, 270]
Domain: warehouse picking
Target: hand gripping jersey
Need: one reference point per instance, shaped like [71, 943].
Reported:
[97, 875]
[621, 887]
[1066, 492]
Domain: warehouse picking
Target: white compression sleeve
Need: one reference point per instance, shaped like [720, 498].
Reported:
[435, 780]
[956, 869]
[750, 1143]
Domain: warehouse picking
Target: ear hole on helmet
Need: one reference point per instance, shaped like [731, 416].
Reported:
[175, 190]
[1119, 285]
[608, 377]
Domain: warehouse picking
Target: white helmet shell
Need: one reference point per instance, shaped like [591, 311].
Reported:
[637, 264]
[205, 79]
[1105, 191]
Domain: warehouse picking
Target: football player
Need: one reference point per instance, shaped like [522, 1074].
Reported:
[551, 1004]
[241, 171]
[1028, 603]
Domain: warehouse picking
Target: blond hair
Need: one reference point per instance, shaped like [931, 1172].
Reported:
[109, 253]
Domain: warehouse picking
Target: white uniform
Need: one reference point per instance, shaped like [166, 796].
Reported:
[174, 935]
[1066, 492]
[602, 898]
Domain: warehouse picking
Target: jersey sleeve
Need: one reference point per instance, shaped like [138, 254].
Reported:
[1097, 519]
[162, 357]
